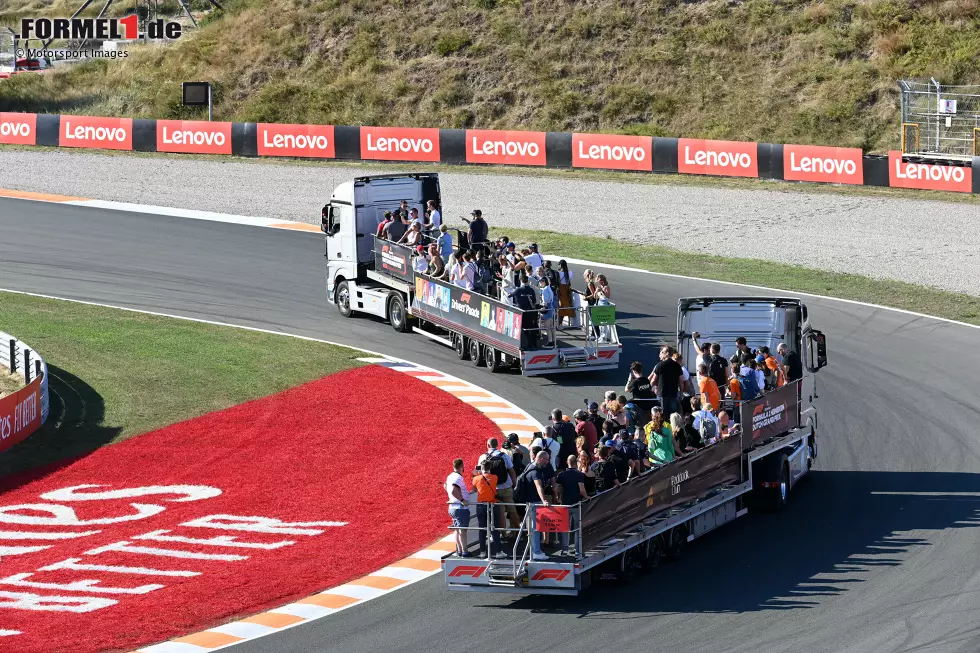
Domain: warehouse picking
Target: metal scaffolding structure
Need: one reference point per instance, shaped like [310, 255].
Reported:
[940, 121]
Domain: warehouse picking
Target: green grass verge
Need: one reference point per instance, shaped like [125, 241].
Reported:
[115, 374]
[897, 294]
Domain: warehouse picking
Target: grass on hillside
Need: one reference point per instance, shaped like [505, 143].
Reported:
[115, 374]
[897, 294]
[785, 71]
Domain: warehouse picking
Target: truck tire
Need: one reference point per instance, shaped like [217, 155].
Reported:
[651, 553]
[773, 470]
[397, 314]
[674, 542]
[627, 565]
[343, 299]
[492, 356]
[461, 346]
[476, 353]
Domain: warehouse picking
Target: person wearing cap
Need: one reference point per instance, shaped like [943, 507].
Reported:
[513, 444]
[412, 237]
[420, 264]
[533, 259]
[595, 418]
[477, 233]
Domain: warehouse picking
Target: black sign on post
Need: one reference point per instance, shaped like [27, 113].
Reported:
[770, 415]
[196, 94]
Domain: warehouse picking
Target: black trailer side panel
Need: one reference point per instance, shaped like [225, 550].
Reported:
[610, 513]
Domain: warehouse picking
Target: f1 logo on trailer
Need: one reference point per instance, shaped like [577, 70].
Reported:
[467, 570]
[557, 575]
[82, 29]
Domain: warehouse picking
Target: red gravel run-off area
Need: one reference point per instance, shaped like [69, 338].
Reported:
[370, 447]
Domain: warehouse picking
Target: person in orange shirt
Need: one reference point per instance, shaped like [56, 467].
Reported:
[773, 365]
[734, 387]
[485, 485]
[709, 389]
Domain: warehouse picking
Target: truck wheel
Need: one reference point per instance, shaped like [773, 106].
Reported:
[397, 314]
[476, 353]
[493, 361]
[627, 565]
[461, 346]
[775, 473]
[652, 553]
[781, 497]
[676, 540]
[343, 299]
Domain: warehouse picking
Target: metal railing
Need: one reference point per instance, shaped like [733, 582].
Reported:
[940, 120]
[21, 359]
[525, 530]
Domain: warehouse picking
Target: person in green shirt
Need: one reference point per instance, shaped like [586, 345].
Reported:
[660, 438]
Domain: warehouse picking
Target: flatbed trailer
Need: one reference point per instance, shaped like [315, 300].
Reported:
[367, 274]
[623, 530]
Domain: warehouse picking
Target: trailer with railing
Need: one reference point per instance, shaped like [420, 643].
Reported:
[368, 274]
[624, 530]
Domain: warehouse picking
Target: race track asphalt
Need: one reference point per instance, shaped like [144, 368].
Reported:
[878, 550]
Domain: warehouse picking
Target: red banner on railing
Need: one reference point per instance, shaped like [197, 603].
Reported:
[928, 176]
[20, 414]
[314, 141]
[505, 147]
[612, 152]
[18, 128]
[194, 136]
[725, 158]
[551, 519]
[400, 143]
[99, 133]
[835, 165]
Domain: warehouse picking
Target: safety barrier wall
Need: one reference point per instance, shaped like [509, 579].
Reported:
[801, 163]
[23, 412]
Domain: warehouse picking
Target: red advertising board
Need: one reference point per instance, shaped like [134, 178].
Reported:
[697, 156]
[508, 147]
[551, 519]
[612, 152]
[835, 165]
[194, 136]
[313, 141]
[928, 176]
[399, 144]
[20, 414]
[18, 128]
[101, 133]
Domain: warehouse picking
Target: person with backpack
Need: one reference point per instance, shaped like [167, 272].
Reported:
[501, 465]
[619, 458]
[485, 485]
[705, 422]
[633, 453]
[748, 383]
[531, 488]
[718, 368]
[604, 469]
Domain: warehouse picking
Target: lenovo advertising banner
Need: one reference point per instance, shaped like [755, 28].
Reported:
[771, 414]
[612, 152]
[20, 414]
[394, 260]
[724, 158]
[470, 313]
[100, 133]
[194, 136]
[928, 176]
[834, 165]
[18, 128]
[311, 141]
[681, 481]
[516, 148]
[400, 144]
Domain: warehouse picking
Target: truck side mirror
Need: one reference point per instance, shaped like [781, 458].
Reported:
[324, 218]
[821, 349]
